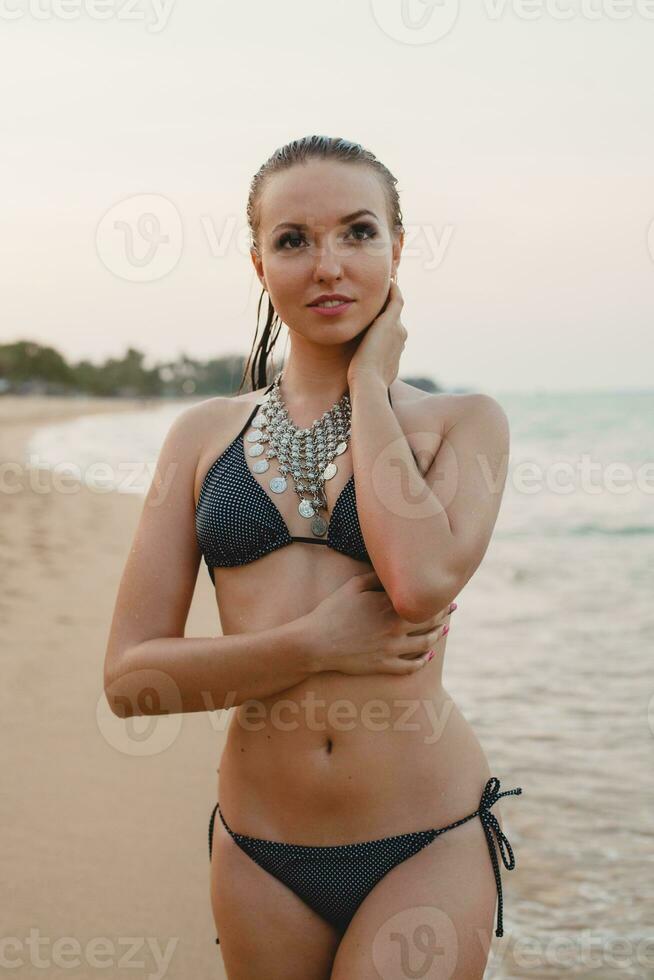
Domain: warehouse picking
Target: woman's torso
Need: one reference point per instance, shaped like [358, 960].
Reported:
[338, 757]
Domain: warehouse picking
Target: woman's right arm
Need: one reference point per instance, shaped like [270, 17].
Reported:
[168, 675]
[150, 667]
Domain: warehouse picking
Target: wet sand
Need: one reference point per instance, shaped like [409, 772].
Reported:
[98, 841]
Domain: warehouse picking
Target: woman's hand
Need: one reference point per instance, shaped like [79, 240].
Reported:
[356, 630]
[382, 342]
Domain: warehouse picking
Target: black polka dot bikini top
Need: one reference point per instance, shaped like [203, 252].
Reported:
[236, 521]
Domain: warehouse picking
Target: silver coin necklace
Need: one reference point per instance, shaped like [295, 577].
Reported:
[306, 455]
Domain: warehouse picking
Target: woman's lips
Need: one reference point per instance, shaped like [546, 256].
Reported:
[332, 310]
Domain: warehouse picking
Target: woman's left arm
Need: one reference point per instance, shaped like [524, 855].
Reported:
[426, 535]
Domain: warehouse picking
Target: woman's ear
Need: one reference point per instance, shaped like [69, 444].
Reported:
[258, 265]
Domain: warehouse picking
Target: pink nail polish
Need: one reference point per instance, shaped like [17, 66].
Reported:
[453, 607]
[446, 629]
[431, 654]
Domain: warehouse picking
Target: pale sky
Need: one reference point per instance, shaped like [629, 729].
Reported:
[522, 138]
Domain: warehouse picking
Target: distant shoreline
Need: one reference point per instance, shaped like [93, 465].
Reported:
[21, 415]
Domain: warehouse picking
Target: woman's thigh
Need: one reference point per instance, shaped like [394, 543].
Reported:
[431, 916]
[265, 930]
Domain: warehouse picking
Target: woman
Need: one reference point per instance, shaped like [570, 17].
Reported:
[345, 756]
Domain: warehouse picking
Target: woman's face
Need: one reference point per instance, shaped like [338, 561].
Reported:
[307, 249]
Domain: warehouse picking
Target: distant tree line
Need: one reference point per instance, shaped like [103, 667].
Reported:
[27, 368]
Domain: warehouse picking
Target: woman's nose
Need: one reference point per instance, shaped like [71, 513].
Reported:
[328, 264]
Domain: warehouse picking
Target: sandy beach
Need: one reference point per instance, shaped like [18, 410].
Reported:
[104, 846]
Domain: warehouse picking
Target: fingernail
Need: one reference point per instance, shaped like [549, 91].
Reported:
[453, 607]
[446, 629]
[431, 654]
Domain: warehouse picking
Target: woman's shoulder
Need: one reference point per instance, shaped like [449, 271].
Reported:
[438, 409]
[419, 405]
[216, 407]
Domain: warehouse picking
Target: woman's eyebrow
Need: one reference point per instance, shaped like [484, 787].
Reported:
[343, 221]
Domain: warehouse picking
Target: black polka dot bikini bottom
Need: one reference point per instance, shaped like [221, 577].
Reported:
[333, 879]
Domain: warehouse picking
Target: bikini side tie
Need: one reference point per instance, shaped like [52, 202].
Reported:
[491, 825]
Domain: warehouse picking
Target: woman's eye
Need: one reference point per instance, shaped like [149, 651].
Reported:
[369, 230]
[289, 236]
[294, 237]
